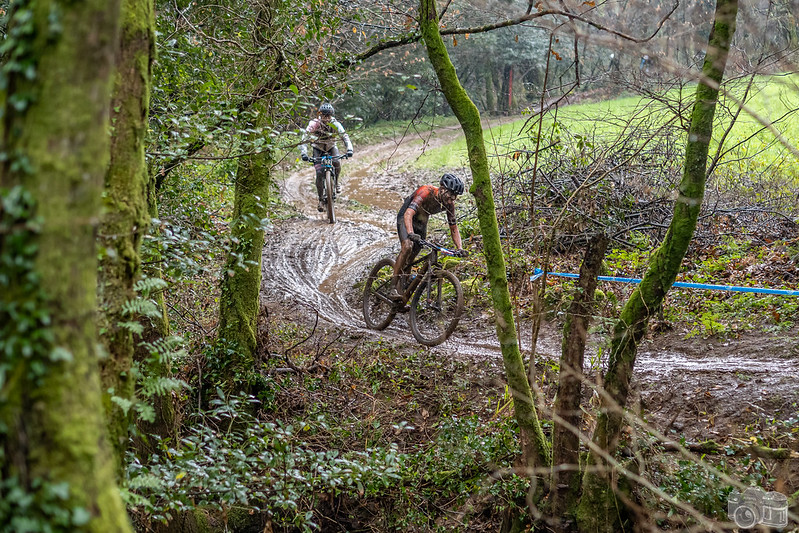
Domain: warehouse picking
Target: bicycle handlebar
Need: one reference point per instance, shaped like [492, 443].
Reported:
[322, 158]
[439, 248]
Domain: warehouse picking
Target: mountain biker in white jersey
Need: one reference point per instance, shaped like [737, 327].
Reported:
[324, 129]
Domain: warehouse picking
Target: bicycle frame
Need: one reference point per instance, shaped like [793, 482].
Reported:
[326, 162]
[430, 266]
[433, 297]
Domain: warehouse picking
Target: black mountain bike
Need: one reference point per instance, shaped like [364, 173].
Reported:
[435, 295]
[329, 186]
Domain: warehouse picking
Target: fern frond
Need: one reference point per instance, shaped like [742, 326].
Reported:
[146, 412]
[145, 481]
[141, 307]
[160, 386]
[123, 403]
[165, 350]
[133, 327]
[147, 286]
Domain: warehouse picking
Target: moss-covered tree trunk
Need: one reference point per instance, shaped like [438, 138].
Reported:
[565, 484]
[599, 509]
[469, 118]
[125, 216]
[53, 441]
[241, 275]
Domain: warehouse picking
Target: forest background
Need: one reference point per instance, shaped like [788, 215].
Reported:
[146, 380]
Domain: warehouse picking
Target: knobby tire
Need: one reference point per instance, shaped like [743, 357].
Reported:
[330, 190]
[378, 309]
[436, 308]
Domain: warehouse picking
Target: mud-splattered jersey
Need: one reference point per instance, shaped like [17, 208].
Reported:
[324, 135]
[425, 202]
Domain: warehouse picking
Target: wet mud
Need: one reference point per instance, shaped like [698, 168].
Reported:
[699, 388]
[710, 388]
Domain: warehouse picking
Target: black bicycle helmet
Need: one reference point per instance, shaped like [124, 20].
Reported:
[327, 109]
[453, 183]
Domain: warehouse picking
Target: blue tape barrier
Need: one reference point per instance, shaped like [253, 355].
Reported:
[730, 288]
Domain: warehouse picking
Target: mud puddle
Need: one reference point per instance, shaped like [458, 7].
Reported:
[671, 365]
[361, 188]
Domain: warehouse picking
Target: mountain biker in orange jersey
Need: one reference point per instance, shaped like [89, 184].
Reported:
[412, 223]
[325, 128]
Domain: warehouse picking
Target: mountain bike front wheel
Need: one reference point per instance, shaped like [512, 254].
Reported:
[436, 308]
[330, 190]
[378, 308]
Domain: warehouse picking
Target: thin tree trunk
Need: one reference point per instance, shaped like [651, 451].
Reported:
[598, 510]
[507, 90]
[239, 304]
[154, 328]
[565, 486]
[469, 118]
[241, 275]
[125, 217]
[55, 136]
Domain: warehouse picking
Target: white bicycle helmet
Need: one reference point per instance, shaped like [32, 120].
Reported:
[327, 109]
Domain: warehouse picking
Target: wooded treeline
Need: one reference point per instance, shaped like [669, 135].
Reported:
[123, 124]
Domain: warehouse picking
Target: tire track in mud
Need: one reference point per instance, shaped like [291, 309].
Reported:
[317, 265]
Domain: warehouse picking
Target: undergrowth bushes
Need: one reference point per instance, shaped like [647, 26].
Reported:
[369, 437]
[229, 459]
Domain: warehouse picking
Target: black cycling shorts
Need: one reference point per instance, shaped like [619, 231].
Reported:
[418, 227]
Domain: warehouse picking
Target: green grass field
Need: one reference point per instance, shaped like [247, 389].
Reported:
[365, 135]
[773, 99]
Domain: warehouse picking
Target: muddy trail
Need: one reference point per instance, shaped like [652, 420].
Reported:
[699, 388]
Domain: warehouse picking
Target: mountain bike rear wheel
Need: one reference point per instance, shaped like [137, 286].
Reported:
[436, 308]
[330, 190]
[378, 308]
